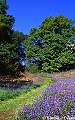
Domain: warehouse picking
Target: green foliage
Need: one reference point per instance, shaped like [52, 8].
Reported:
[6, 44]
[56, 33]
[18, 36]
[52, 49]
[9, 40]
[3, 7]
[33, 68]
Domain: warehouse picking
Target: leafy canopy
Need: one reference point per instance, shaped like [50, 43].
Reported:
[48, 44]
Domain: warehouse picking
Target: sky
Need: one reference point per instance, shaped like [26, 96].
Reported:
[31, 13]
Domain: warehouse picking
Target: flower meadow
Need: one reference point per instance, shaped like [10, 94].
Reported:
[57, 99]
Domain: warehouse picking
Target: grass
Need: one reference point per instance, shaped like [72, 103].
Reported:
[6, 94]
[25, 97]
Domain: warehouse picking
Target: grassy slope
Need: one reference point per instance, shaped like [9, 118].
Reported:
[25, 98]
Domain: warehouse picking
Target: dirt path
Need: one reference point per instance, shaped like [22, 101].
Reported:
[64, 75]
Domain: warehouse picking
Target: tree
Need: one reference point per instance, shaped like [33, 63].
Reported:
[55, 32]
[18, 36]
[3, 7]
[6, 44]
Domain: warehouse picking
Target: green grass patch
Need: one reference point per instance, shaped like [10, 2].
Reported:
[6, 94]
[25, 97]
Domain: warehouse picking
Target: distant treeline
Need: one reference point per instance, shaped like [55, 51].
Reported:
[48, 48]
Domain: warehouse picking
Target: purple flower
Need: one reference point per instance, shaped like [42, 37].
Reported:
[56, 99]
